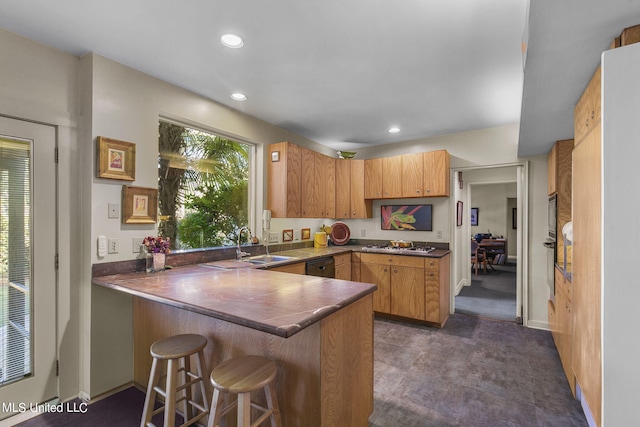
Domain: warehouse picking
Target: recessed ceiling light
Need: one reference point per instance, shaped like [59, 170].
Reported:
[394, 130]
[238, 96]
[232, 41]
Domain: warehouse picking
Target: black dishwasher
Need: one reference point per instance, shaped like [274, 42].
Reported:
[322, 267]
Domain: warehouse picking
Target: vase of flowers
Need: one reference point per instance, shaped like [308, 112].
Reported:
[157, 249]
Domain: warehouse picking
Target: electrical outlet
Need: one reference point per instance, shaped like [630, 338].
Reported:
[439, 234]
[137, 242]
[113, 210]
[114, 246]
[296, 235]
[273, 237]
[363, 232]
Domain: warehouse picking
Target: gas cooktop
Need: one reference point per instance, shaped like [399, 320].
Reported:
[386, 249]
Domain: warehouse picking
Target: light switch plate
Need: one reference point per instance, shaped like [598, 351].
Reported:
[273, 237]
[113, 210]
[137, 242]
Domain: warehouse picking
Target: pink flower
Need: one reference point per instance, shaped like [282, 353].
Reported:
[157, 244]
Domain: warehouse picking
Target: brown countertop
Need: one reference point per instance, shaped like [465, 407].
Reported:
[278, 303]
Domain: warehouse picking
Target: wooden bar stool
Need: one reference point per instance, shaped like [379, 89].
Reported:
[176, 350]
[241, 376]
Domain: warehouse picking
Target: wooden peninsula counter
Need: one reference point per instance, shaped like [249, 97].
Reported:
[319, 331]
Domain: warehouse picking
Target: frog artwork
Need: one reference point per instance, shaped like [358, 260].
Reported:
[406, 218]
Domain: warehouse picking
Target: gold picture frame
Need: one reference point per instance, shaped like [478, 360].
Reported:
[116, 159]
[306, 234]
[139, 205]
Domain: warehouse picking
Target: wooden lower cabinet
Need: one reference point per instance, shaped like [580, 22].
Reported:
[355, 266]
[408, 286]
[297, 268]
[342, 265]
[407, 292]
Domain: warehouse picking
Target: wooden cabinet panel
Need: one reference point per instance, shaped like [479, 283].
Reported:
[378, 274]
[297, 268]
[373, 179]
[284, 180]
[587, 113]
[360, 207]
[343, 188]
[392, 177]
[326, 178]
[343, 266]
[407, 292]
[586, 292]
[355, 267]
[437, 290]
[318, 185]
[552, 169]
[412, 175]
[563, 166]
[309, 197]
[350, 201]
[436, 173]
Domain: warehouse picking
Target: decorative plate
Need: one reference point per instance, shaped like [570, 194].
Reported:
[340, 233]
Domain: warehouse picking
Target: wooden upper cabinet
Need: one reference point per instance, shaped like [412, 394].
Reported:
[412, 175]
[284, 180]
[552, 170]
[350, 201]
[436, 173]
[392, 177]
[327, 176]
[309, 197]
[343, 188]
[588, 109]
[318, 185]
[373, 178]
[360, 207]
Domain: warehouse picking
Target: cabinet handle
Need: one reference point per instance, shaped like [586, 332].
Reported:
[395, 271]
[417, 191]
[431, 274]
[385, 270]
[427, 190]
[354, 213]
[593, 115]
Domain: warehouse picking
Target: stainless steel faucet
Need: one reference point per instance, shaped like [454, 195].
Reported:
[239, 253]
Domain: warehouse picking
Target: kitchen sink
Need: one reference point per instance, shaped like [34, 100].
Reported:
[266, 259]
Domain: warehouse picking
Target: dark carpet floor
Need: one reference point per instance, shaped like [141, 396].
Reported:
[491, 295]
[473, 372]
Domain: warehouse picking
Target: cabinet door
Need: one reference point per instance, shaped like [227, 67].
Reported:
[436, 173]
[408, 292]
[297, 268]
[309, 197]
[378, 274]
[284, 180]
[588, 109]
[586, 293]
[412, 175]
[327, 186]
[343, 271]
[392, 177]
[343, 185]
[552, 170]
[373, 178]
[360, 207]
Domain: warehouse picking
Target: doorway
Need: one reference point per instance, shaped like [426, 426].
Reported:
[494, 198]
[27, 265]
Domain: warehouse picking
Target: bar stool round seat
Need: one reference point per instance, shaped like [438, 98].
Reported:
[241, 376]
[176, 350]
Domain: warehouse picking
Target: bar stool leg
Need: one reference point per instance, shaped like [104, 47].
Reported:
[170, 396]
[203, 390]
[150, 399]
[215, 414]
[272, 403]
[244, 409]
[188, 410]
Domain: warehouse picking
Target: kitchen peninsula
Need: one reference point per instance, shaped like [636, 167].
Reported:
[319, 331]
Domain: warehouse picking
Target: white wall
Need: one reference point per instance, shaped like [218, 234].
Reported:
[620, 248]
[491, 201]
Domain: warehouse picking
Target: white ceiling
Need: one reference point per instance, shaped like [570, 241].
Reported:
[342, 72]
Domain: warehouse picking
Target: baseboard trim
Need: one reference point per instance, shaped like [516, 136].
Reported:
[460, 285]
[536, 324]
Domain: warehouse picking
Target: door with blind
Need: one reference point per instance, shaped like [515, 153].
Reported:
[27, 265]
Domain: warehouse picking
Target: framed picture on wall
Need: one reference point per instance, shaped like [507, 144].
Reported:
[459, 213]
[116, 159]
[473, 218]
[139, 205]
